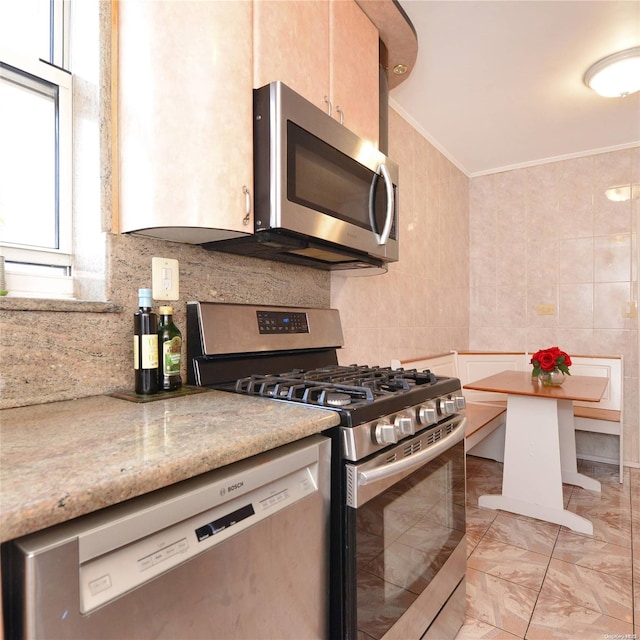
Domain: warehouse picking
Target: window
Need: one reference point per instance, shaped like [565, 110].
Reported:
[35, 147]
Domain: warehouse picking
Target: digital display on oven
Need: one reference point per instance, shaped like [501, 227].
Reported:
[282, 322]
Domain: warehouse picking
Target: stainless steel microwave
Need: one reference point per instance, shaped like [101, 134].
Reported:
[323, 197]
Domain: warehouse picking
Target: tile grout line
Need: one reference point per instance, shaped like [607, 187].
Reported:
[535, 604]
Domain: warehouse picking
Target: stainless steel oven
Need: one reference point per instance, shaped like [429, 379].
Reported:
[398, 546]
[404, 525]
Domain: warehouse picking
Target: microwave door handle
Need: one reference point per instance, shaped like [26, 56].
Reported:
[414, 461]
[384, 236]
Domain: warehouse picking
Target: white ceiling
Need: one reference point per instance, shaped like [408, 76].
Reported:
[498, 84]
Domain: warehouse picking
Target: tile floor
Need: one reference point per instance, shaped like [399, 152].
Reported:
[531, 579]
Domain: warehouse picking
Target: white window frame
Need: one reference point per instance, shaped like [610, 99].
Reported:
[51, 272]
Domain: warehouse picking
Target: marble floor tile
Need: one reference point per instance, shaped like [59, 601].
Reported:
[555, 619]
[590, 589]
[530, 534]
[478, 522]
[484, 486]
[473, 629]
[505, 561]
[608, 497]
[611, 524]
[606, 473]
[593, 553]
[499, 603]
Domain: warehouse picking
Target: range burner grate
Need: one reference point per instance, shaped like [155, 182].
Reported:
[335, 386]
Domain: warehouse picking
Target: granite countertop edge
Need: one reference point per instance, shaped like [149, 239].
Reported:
[62, 460]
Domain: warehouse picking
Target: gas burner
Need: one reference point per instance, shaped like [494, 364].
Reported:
[338, 399]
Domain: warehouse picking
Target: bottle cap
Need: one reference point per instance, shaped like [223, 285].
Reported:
[144, 297]
[166, 311]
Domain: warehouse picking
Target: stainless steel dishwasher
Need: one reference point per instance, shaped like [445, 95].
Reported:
[240, 552]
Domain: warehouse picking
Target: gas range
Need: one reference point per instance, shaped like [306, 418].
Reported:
[290, 355]
[398, 546]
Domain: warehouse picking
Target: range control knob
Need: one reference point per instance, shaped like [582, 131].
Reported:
[460, 401]
[385, 433]
[428, 413]
[404, 425]
[447, 406]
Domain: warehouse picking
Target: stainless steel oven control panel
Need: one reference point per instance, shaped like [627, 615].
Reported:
[364, 439]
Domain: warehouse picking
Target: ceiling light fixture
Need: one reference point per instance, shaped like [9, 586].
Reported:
[617, 75]
[400, 69]
[623, 192]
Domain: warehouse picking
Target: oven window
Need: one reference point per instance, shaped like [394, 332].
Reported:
[404, 536]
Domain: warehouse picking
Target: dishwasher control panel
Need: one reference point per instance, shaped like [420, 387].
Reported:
[121, 570]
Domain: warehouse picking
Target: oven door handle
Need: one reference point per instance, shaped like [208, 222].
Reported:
[410, 463]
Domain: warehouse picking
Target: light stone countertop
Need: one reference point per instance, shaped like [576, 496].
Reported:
[64, 459]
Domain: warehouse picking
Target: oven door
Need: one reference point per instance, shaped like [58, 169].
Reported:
[405, 544]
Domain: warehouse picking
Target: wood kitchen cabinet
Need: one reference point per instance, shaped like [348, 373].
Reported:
[185, 119]
[321, 48]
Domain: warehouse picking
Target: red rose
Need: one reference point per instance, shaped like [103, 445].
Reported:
[547, 361]
[536, 355]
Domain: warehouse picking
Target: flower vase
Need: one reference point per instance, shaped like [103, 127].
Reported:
[551, 378]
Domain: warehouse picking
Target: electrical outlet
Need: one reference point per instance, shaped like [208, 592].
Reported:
[546, 309]
[165, 279]
[629, 309]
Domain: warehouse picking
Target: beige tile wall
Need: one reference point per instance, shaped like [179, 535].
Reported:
[420, 306]
[547, 235]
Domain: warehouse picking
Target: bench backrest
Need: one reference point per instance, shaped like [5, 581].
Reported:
[606, 367]
[442, 364]
[475, 365]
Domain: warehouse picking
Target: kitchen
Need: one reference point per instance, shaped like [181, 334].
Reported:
[475, 309]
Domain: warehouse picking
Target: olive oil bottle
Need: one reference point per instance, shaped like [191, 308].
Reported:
[169, 351]
[145, 345]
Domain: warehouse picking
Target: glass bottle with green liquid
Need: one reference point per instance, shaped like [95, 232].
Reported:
[169, 351]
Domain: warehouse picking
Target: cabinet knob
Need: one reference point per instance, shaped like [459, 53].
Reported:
[341, 112]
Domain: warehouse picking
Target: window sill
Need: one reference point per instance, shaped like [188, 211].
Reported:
[46, 304]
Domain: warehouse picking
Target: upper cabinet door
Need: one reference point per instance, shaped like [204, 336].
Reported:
[354, 69]
[185, 118]
[291, 44]
[325, 50]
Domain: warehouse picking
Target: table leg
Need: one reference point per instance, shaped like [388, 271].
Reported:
[533, 464]
[568, 458]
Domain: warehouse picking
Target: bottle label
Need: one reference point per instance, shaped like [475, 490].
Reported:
[171, 351]
[145, 351]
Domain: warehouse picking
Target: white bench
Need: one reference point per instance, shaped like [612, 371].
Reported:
[484, 435]
[486, 411]
[607, 415]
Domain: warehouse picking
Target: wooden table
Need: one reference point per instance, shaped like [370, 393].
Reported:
[540, 445]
